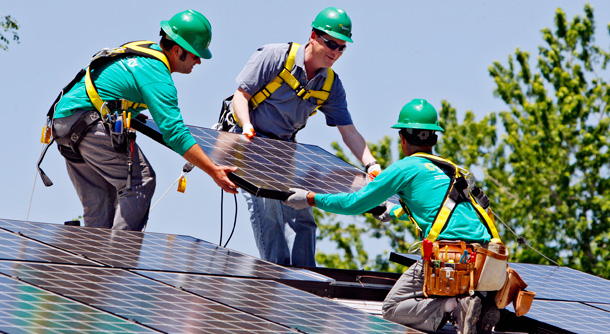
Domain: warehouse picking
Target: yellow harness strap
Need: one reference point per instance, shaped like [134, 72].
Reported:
[139, 48]
[286, 76]
[449, 203]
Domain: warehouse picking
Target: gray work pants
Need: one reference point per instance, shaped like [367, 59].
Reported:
[405, 303]
[100, 181]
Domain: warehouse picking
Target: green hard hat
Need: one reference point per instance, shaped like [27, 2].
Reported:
[335, 22]
[191, 30]
[418, 114]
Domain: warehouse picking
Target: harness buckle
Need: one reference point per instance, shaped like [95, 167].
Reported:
[74, 137]
[94, 116]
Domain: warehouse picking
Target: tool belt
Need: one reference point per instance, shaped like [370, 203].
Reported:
[457, 268]
[449, 272]
[68, 144]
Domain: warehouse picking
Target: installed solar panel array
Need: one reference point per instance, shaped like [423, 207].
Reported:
[567, 298]
[66, 279]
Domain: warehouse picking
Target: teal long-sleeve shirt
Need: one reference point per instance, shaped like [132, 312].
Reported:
[141, 80]
[422, 186]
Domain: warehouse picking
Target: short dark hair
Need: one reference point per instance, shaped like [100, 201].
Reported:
[166, 42]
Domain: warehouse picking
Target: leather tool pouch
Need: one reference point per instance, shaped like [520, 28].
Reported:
[446, 278]
[514, 291]
[523, 302]
[490, 267]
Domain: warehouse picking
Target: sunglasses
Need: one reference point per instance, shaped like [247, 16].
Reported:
[333, 45]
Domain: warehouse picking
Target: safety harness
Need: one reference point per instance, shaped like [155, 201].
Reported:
[68, 145]
[457, 193]
[286, 76]
[453, 267]
[227, 118]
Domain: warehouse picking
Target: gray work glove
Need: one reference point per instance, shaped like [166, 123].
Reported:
[298, 200]
[385, 216]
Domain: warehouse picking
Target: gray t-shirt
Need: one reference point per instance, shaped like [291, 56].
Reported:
[283, 113]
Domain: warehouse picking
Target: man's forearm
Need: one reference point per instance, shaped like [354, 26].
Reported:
[240, 106]
[356, 143]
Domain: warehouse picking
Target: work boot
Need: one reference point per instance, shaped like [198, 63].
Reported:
[466, 315]
[489, 318]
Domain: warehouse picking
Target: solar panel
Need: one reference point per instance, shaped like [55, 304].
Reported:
[144, 301]
[570, 316]
[154, 251]
[14, 247]
[282, 304]
[29, 309]
[563, 283]
[268, 167]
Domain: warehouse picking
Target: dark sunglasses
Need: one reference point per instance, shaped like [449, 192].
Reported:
[333, 45]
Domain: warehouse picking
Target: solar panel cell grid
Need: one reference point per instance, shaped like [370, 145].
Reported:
[280, 303]
[270, 167]
[132, 296]
[563, 283]
[14, 247]
[570, 316]
[28, 309]
[154, 251]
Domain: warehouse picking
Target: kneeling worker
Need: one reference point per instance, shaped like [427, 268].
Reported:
[422, 187]
[90, 120]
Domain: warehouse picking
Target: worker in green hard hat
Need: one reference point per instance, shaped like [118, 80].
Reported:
[421, 181]
[279, 88]
[112, 177]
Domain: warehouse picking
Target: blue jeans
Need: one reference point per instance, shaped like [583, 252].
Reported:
[283, 235]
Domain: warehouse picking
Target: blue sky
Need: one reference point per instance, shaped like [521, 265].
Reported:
[402, 50]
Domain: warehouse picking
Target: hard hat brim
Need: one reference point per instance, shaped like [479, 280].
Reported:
[338, 36]
[420, 126]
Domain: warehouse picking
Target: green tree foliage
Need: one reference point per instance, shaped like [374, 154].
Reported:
[10, 27]
[546, 169]
[549, 176]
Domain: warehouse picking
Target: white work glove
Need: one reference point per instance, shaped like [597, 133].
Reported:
[298, 200]
[248, 131]
[385, 216]
[373, 169]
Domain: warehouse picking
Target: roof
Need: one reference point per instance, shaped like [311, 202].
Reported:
[57, 278]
